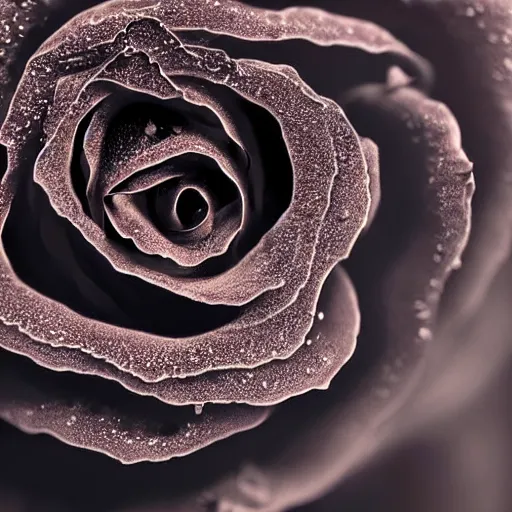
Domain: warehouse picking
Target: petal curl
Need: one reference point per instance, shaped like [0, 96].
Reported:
[36, 407]
[329, 346]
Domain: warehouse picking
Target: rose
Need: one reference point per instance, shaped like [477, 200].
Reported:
[420, 257]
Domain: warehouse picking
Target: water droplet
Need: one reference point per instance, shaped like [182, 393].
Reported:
[423, 315]
[425, 334]
[470, 12]
[308, 342]
[198, 409]
[457, 263]
[321, 315]
[150, 129]
[493, 38]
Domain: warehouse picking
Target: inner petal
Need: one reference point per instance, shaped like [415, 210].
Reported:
[152, 209]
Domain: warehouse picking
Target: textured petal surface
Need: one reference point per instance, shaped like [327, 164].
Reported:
[294, 316]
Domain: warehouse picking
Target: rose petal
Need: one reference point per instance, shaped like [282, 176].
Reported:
[371, 155]
[117, 431]
[478, 36]
[19, 20]
[349, 423]
[330, 345]
[211, 238]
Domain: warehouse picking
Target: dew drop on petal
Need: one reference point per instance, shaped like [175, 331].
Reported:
[425, 334]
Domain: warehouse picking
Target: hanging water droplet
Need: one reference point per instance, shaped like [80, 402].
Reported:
[457, 263]
[198, 409]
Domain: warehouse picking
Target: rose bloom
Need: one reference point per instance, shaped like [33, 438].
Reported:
[263, 247]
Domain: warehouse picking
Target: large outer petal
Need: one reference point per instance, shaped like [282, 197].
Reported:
[471, 55]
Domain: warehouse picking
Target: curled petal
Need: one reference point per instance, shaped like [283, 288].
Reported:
[371, 155]
[478, 39]
[328, 347]
[118, 432]
[211, 237]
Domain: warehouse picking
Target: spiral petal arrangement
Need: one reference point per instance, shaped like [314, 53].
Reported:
[131, 142]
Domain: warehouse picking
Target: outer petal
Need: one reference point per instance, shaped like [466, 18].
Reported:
[347, 427]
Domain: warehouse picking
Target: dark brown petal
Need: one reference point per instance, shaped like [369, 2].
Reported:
[471, 54]
[329, 346]
[119, 431]
[265, 356]
[479, 35]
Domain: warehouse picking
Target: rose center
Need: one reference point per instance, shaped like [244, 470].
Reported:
[190, 208]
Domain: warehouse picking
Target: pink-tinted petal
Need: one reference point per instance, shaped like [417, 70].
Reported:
[118, 432]
[329, 345]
